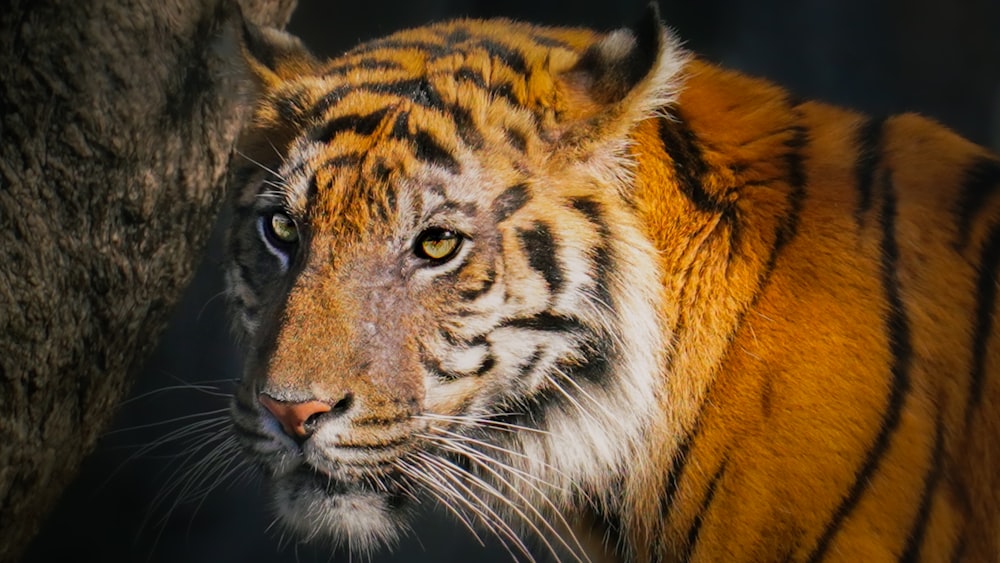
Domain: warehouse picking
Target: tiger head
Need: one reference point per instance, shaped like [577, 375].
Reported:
[442, 289]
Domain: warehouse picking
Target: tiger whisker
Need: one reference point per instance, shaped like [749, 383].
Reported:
[507, 451]
[202, 387]
[494, 524]
[507, 502]
[457, 442]
[432, 488]
[573, 400]
[259, 165]
[479, 421]
[182, 477]
[171, 437]
[489, 517]
[485, 462]
[165, 422]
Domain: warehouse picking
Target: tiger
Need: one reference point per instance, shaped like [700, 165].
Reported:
[608, 301]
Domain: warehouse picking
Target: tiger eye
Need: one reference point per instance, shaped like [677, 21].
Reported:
[284, 228]
[437, 244]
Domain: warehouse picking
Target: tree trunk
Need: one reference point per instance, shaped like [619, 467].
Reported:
[117, 119]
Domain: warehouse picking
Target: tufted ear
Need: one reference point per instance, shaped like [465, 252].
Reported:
[274, 61]
[275, 56]
[623, 78]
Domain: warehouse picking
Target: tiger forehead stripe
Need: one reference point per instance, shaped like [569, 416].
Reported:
[358, 123]
[509, 202]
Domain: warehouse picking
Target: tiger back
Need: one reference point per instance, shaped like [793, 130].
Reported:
[588, 289]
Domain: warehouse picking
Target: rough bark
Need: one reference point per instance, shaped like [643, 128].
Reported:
[117, 119]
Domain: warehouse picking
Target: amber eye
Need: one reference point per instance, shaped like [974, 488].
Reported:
[283, 228]
[437, 244]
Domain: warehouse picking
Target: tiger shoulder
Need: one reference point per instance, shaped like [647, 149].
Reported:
[605, 300]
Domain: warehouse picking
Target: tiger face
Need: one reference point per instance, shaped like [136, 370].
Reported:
[515, 271]
[442, 290]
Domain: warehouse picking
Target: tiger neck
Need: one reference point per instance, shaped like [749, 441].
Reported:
[694, 170]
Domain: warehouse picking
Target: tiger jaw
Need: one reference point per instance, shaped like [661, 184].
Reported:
[351, 512]
[352, 495]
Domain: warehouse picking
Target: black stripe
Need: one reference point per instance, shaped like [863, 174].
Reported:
[360, 124]
[532, 411]
[869, 147]
[541, 249]
[450, 337]
[980, 181]
[348, 160]
[487, 284]
[455, 36]
[915, 540]
[551, 42]
[677, 467]
[601, 254]
[699, 518]
[594, 367]
[681, 145]
[498, 52]
[506, 91]
[532, 363]
[986, 295]
[898, 333]
[488, 363]
[384, 203]
[366, 64]
[509, 202]
[292, 106]
[517, 139]
[466, 127]
[466, 74]
[434, 50]
[546, 322]
[461, 35]
[433, 366]
[426, 148]
[416, 90]
[499, 88]
[789, 225]
[508, 56]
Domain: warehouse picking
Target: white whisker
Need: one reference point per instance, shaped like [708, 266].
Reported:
[493, 521]
[259, 165]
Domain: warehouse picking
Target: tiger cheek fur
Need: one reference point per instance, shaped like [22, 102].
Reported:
[588, 288]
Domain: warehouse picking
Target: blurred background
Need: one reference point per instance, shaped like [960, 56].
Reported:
[141, 497]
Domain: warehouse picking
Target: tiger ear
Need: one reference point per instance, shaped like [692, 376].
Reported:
[273, 60]
[623, 78]
[274, 56]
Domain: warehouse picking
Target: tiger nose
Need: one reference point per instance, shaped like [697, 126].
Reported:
[298, 419]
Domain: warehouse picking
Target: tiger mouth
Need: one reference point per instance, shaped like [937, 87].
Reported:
[389, 484]
[375, 474]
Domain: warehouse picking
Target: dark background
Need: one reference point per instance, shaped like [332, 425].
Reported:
[128, 505]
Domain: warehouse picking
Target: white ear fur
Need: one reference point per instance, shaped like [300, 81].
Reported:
[632, 74]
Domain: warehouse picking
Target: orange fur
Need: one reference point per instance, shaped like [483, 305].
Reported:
[821, 300]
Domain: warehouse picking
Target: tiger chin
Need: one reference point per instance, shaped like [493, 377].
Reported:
[605, 300]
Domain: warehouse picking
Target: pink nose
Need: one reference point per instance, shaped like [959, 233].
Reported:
[297, 419]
